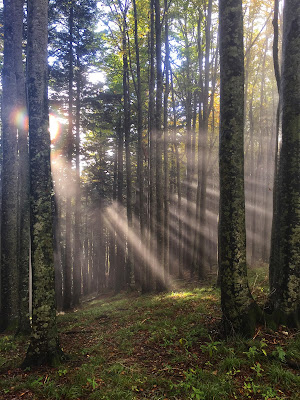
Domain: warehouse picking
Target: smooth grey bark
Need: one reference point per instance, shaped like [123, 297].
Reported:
[238, 307]
[44, 344]
[285, 249]
[9, 223]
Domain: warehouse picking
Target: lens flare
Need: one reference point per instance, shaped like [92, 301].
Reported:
[54, 127]
[19, 117]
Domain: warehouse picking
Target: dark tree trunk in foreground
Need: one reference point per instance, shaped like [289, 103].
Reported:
[239, 309]
[285, 247]
[9, 240]
[44, 346]
[23, 183]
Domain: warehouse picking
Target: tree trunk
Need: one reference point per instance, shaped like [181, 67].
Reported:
[285, 249]
[77, 219]
[129, 272]
[160, 278]
[166, 146]
[9, 228]
[152, 144]
[204, 148]
[68, 249]
[23, 182]
[140, 165]
[44, 346]
[239, 309]
[120, 256]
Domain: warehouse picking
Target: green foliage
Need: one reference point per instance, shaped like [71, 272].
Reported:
[154, 347]
[258, 369]
[7, 344]
[211, 347]
[279, 353]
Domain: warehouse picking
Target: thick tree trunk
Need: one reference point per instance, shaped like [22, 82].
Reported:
[285, 250]
[44, 346]
[9, 227]
[239, 309]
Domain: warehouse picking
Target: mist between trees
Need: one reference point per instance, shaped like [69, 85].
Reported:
[135, 192]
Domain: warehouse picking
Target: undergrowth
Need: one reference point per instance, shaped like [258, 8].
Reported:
[158, 347]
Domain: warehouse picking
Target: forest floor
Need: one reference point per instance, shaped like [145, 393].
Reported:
[163, 347]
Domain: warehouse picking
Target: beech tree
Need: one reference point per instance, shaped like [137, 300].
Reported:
[44, 346]
[238, 306]
[285, 250]
[9, 231]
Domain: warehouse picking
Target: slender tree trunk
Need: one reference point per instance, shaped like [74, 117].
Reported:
[23, 182]
[278, 79]
[85, 266]
[178, 179]
[197, 238]
[160, 279]
[68, 251]
[152, 145]
[166, 146]
[58, 255]
[188, 150]
[204, 148]
[140, 165]
[77, 219]
[120, 256]
[129, 273]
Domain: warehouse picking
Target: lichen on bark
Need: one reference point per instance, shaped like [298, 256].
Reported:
[44, 344]
[285, 248]
[240, 312]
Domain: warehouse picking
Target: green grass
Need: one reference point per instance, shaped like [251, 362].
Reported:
[157, 347]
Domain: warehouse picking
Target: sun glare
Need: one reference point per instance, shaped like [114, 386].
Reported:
[54, 127]
[20, 118]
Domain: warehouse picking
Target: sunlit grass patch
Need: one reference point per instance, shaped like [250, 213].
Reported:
[156, 347]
